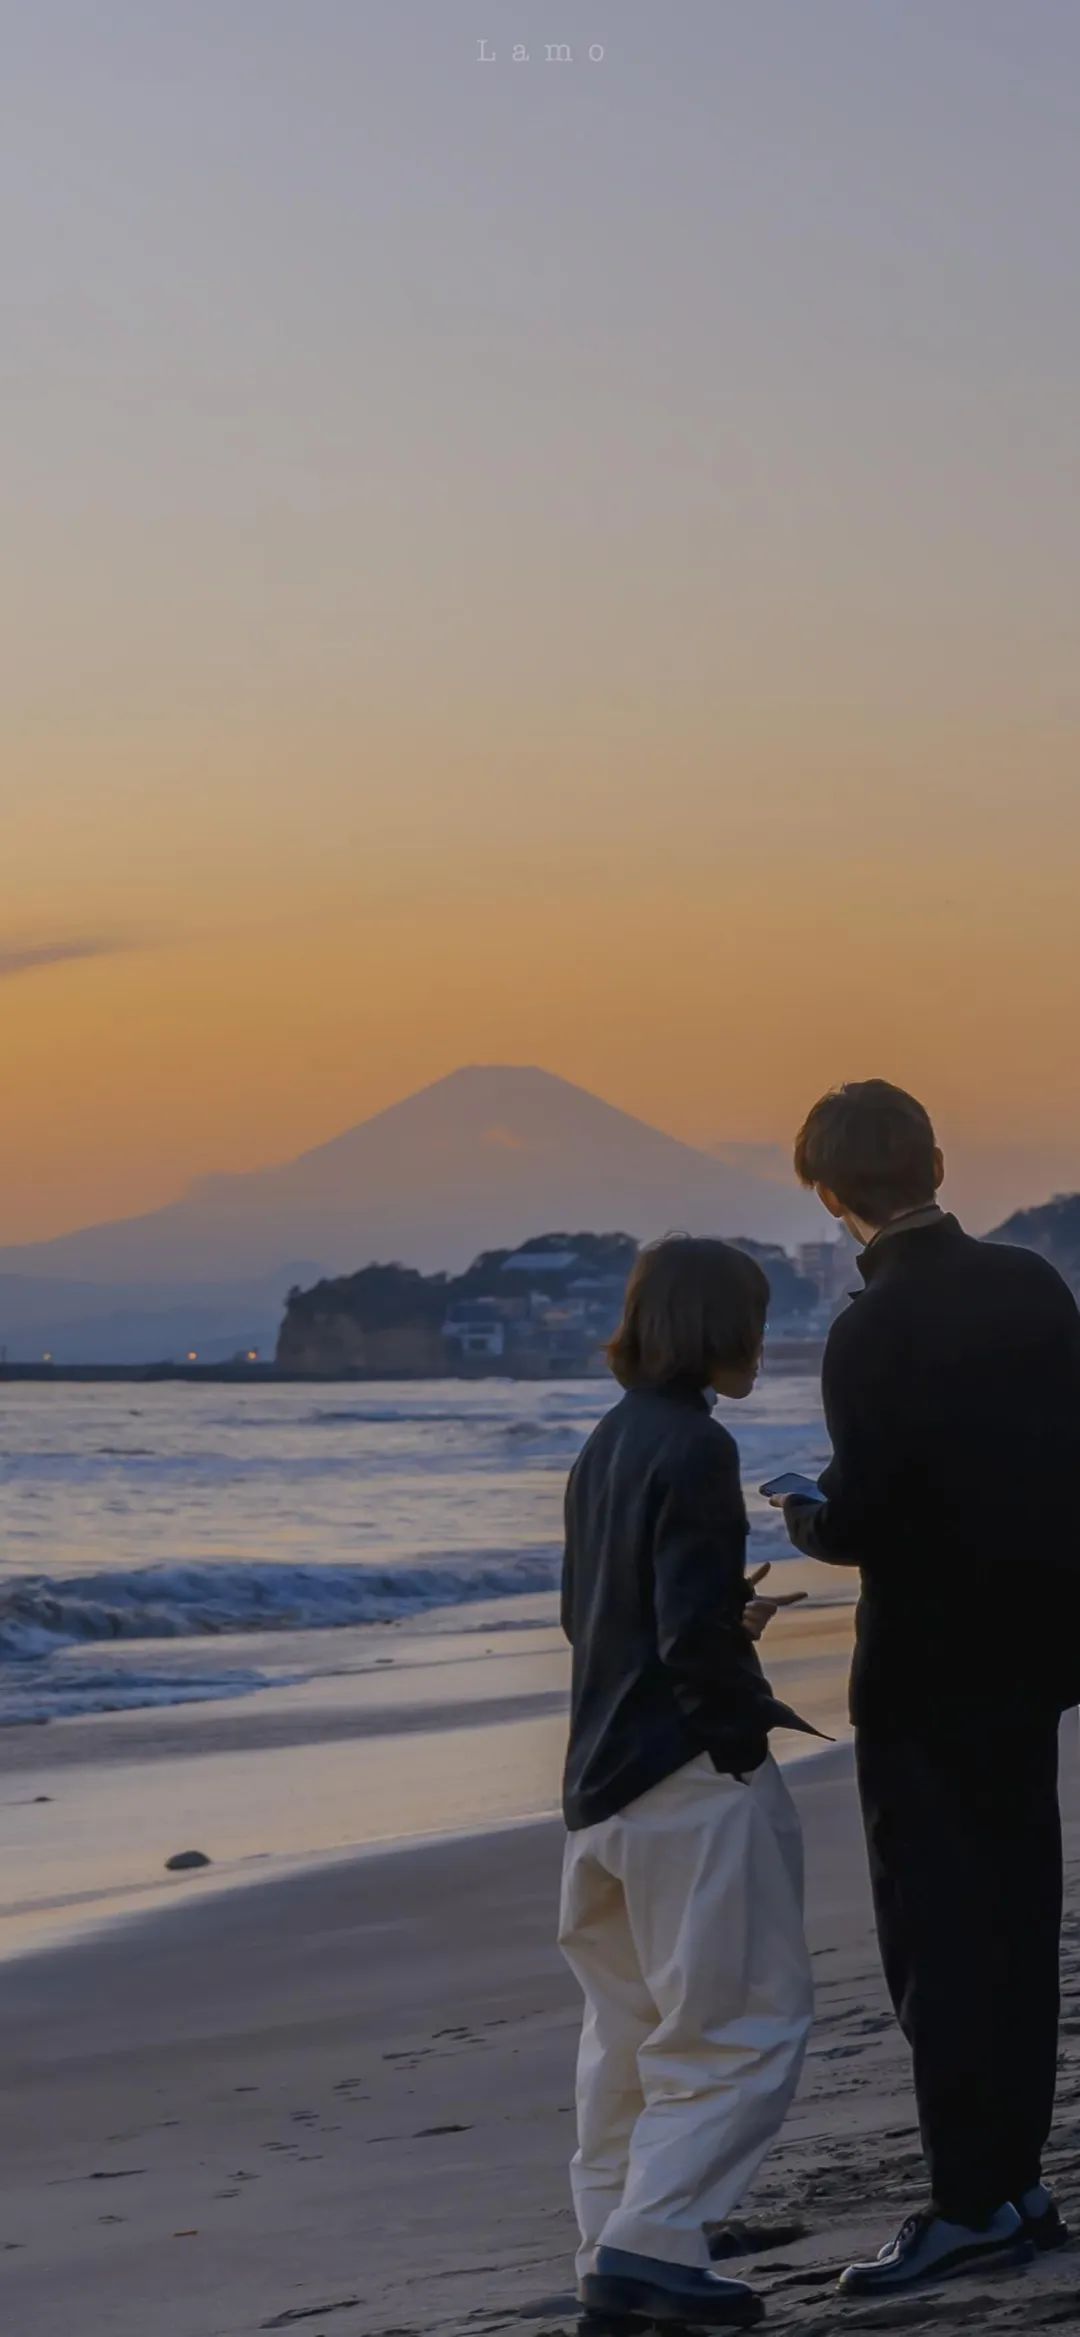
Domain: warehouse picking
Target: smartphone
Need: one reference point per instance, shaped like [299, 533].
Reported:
[802, 1488]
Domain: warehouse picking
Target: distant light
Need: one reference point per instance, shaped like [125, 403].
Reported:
[253, 1354]
[192, 1356]
[47, 1357]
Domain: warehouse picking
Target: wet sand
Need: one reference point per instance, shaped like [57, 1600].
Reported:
[340, 2102]
[416, 1732]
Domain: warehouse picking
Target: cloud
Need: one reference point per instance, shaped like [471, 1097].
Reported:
[27, 957]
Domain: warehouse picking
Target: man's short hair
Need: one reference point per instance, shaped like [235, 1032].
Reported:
[692, 1307]
[872, 1145]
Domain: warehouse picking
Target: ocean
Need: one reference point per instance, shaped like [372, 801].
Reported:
[172, 1544]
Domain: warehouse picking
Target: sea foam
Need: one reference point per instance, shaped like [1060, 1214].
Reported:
[39, 1615]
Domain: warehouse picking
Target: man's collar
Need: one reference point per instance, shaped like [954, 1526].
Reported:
[929, 1214]
[930, 1218]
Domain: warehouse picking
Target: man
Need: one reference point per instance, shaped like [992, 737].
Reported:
[952, 1396]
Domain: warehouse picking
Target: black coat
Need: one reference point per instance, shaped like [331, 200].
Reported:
[654, 1590]
[952, 1397]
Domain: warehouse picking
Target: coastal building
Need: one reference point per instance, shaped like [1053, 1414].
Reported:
[540, 1265]
[829, 1266]
[475, 1330]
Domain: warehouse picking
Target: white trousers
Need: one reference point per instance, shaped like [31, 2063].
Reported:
[682, 1919]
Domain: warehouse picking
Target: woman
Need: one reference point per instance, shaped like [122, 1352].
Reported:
[682, 1889]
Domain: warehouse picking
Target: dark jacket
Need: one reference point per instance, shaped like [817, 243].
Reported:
[653, 1595]
[952, 1397]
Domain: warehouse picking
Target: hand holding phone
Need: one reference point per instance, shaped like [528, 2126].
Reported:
[791, 1487]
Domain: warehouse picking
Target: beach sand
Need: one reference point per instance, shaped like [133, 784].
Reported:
[340, 2101]
[450, 1727]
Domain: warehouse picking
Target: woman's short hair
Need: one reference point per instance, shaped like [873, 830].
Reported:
[692, 1307]
[872, 1145]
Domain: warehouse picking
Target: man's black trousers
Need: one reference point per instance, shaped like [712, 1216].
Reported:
[964, 1836]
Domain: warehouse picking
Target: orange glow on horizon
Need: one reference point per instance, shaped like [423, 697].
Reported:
[502, 569]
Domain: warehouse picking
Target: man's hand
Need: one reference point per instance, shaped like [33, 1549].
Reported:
[791, 1505]
[758, 1613]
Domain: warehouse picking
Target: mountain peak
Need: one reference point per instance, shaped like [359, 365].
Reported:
[476, 1160]
[476, 1078]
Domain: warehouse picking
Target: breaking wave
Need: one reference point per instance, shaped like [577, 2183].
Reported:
[39, 1616]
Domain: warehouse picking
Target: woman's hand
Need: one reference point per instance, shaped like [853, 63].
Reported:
[758, 1613]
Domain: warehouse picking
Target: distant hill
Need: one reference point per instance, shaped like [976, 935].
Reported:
[546, 1307]
[473, 1162]
[1053, 1230]
[549, 1307]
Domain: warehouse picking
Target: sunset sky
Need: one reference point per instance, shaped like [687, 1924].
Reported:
[567, 563]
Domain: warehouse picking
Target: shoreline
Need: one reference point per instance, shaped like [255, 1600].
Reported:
[104, 1912]
[785, 1354]
[418, 1732]
[342, 2100]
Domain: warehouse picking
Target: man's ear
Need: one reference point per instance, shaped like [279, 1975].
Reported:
[829, 1201]
[939, 1168]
